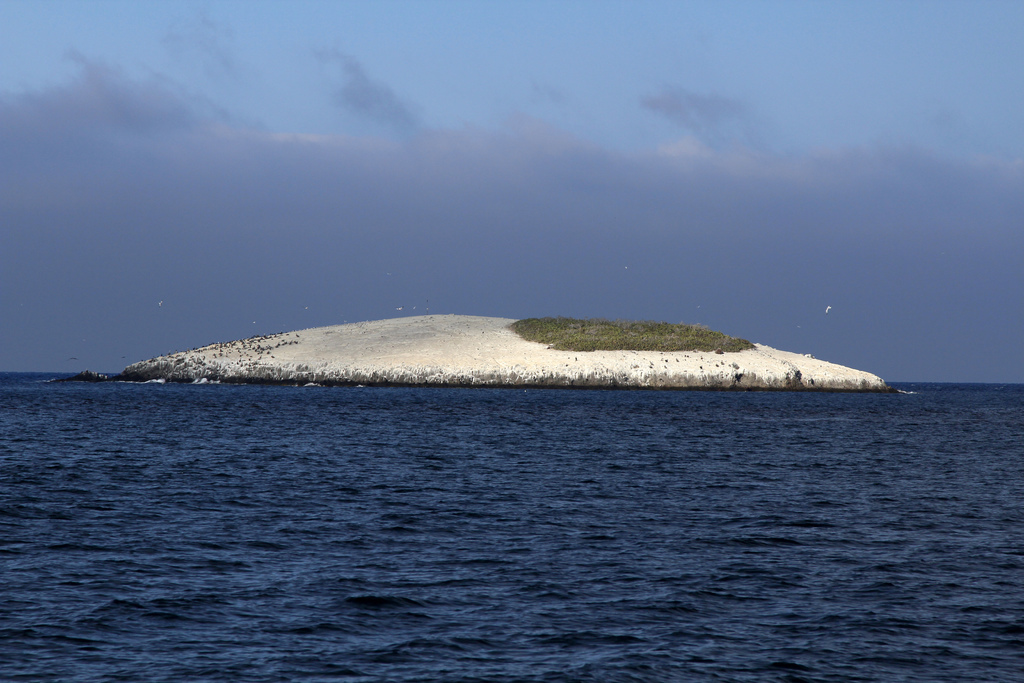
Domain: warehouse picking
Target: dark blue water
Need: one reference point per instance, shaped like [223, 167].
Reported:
[246, 533]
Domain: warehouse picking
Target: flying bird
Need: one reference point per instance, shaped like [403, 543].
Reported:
[160, 303]
[827, 309]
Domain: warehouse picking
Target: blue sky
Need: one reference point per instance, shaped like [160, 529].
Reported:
[262, 166]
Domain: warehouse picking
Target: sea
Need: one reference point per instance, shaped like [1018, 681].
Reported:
[171, 532]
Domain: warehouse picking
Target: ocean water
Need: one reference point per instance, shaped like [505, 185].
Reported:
[246, 533]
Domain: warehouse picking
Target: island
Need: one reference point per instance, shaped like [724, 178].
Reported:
[474, 351]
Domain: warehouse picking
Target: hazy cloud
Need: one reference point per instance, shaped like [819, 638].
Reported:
[707, 116]
[363, 96]
[149, 197]
[100, 98]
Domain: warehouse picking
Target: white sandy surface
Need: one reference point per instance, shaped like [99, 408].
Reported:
[460, 350]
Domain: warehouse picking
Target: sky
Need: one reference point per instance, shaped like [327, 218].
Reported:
[174, 174]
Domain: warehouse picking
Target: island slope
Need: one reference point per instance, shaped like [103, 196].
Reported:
[472, 351]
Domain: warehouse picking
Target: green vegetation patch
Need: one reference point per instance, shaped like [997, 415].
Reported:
[598, 334]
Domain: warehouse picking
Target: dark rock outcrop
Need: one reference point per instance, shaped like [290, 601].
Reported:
[87, 376]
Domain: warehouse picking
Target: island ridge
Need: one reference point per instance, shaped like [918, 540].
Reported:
[473, 351]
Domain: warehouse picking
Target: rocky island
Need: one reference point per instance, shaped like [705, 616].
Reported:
[472, 351]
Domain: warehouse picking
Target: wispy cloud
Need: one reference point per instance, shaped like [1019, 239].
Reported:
[365, 97]
[708, 116]
[206, 39]
[546, 94]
